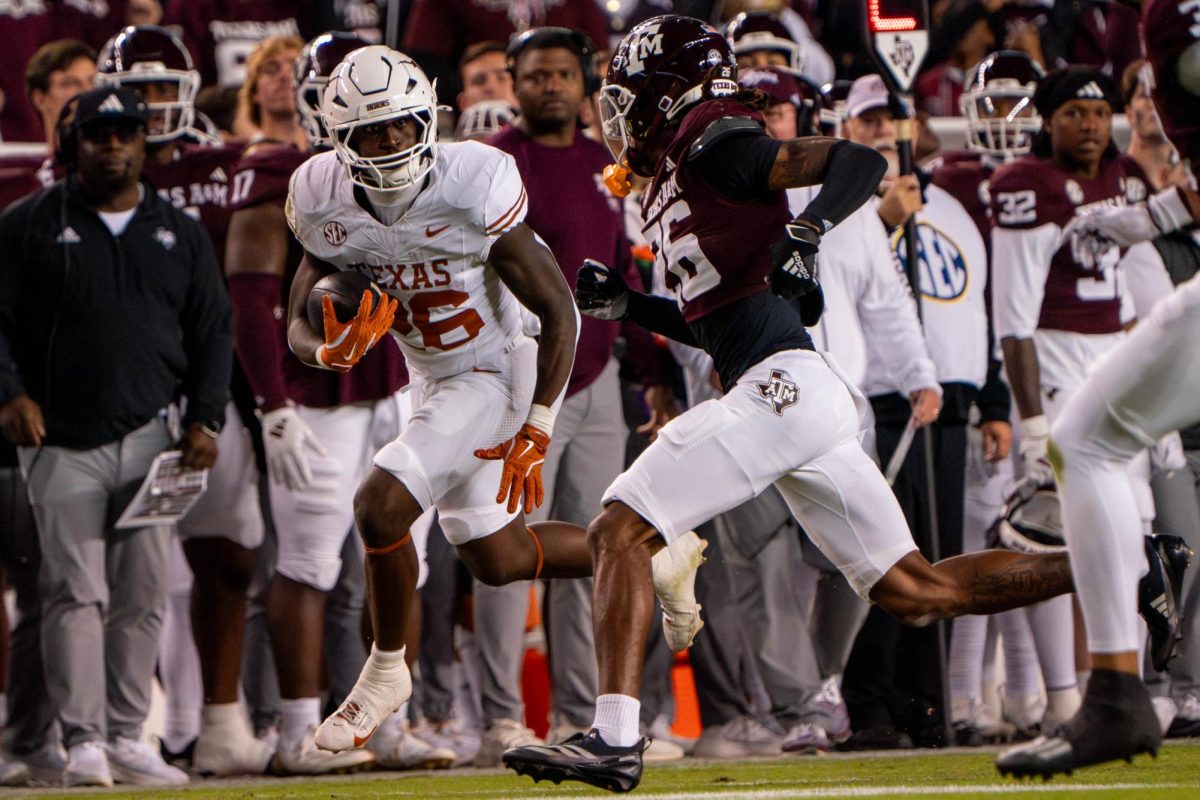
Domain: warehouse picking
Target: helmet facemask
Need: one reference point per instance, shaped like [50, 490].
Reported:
[1001, 119]
[169, 119]
[392, 171]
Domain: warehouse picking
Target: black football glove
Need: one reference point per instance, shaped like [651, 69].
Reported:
[793, 261]
[601, 292]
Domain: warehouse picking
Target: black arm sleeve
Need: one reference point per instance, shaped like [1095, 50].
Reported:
[207, 322]
[738, 166]
[659, 315]
[852, 174]
[12, 223]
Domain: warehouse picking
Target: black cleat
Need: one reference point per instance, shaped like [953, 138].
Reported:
[583, 757]
[1160, 595]
[1116, 721]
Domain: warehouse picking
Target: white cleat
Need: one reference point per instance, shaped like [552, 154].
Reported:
[302, 757]
[673, 570]
[221, 753]
[141, 764]
[378, 692]
[87, 765]
[397, 747]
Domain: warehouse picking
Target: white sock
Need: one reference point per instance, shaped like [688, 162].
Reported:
[299, 716]
[617, 719]
[1063, 703]
[1102, 526]
[385, 660]
[222, 717]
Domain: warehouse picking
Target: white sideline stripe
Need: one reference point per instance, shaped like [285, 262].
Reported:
[883, 791]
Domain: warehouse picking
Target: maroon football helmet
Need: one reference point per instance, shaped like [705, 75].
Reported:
[146, 54]
[661, 68]
[997, 101]
[754, 31]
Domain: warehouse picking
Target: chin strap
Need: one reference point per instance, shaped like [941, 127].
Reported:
[616, 180]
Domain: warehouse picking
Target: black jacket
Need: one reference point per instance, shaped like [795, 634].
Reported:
[105, 331]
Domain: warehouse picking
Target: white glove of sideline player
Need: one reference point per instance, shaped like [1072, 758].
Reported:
[286, 437]
[1092, 236]
[1167, 456]
[1032, 447]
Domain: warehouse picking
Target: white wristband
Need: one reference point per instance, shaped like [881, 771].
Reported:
[1037, 427]
[542, 418]
[1169, 210]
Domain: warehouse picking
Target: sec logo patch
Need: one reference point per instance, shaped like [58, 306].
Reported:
[335, 233]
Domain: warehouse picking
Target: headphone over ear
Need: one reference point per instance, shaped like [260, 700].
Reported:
[543, 38]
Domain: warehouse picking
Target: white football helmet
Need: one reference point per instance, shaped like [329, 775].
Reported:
[376, 84]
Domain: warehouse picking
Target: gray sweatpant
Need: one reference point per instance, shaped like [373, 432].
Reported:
[586, 453]
[103, 590]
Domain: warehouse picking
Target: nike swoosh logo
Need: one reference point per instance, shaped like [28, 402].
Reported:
[359, 741]
[431, 232]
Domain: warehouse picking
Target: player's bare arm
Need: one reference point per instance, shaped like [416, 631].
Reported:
[850, 172]
[302, 339]
[801, 162]
[1024, 374]
[529, 270]
[258, 241]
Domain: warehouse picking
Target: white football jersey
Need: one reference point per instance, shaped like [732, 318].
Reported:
[454, 312]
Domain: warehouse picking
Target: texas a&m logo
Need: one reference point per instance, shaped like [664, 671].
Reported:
[778, 391]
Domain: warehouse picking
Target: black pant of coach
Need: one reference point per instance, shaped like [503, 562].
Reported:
[893, 680]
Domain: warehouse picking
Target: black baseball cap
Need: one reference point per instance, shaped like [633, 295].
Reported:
[107, 103]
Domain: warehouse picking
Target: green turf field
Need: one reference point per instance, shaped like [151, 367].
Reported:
[955, 775]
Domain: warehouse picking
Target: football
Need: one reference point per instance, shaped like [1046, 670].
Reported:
[346, 290]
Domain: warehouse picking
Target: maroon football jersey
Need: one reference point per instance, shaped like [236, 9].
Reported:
[221, 34]
[262, 177]
[23, 175]
[715, 250]
[1032, 192]
[1170, 27]
[198, 181]
[447, 27]
[26, 25]
[967, 176]
[578, 218]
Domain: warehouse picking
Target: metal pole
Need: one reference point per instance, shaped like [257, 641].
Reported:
[905, 125]
[391, 32]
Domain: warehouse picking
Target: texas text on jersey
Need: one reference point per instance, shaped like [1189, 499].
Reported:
[1032, 201]
[1171, 29]
[714, 252]
[454, 313]
[262, 177]
[198, 181]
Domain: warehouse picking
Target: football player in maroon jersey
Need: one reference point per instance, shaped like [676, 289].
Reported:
[997, 102]
[740, 267]
[223, 531]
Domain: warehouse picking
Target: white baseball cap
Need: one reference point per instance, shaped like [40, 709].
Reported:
[866, 93]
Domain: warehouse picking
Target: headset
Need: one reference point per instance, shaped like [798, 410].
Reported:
[544, 38]
[66, 149]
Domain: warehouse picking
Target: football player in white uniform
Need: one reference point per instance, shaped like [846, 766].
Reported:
[439, 229]
[1136, 393]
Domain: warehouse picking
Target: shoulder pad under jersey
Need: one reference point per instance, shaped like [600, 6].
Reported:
[722, 128]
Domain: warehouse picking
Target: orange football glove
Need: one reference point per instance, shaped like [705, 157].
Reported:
[523, 455]
[347, 342]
